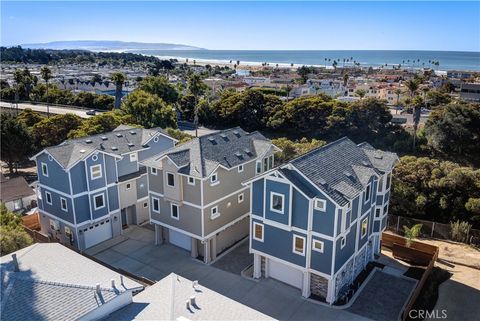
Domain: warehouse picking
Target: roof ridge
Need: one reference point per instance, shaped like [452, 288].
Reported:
[76, 286]
[321, 147]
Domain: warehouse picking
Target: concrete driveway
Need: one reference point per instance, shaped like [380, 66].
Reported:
[135, 252]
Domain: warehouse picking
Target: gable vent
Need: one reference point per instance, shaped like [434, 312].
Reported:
[88, 141]
[114, 148]
[104, 138]
[119, 135]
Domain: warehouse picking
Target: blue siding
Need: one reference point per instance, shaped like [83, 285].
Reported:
[281, 188]
[379, 199]
[384, 222]
[257, 197]
[55, 209]
[79, 178]
[299, 210]
[343, 255]
[57, 177]
[125, 166]
[113, 198]
[354, 214]
[98, 182]
[142, 188]
[323, 222]
[387, 195]
[155, 148]
[101, 211]
[362, 241]
[82, 209]
[366, 205]
[279, 243]
[322, 262]
[339, 221]
[110, 169]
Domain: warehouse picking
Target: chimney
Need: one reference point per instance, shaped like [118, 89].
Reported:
[192, 301]
[15, 263]
[113, 283]
[97, 288]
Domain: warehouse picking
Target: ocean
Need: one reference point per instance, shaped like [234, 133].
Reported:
[448, 60]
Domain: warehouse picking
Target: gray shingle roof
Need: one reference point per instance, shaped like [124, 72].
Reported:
[154, 303]
[120, 141]
[14, 188]
[342, 169]
[199, 157]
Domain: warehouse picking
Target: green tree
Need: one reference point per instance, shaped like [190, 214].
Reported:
[12, 235]
[46, 76]
[291, 149]
[303, 72]
[16, 141]
[54, 130]
[161, 87]
[96, 79]
[101, 123]
[118, 79]
[437, 98]
[360, 93]
[149, 110]
[412, 233]
[29, 117]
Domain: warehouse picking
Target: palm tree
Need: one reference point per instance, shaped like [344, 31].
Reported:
[398, 92]
[412, 86]
[411, 233]
[46, 75]
[345, 79]
[196, 87]
[118, 79]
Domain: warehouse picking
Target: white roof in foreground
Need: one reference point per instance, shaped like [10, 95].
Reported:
[155, 302]
[54, 262]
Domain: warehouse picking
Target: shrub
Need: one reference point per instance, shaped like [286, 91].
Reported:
[460, 231]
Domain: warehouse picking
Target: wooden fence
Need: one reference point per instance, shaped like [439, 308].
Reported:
[418, 252]
[31, 221]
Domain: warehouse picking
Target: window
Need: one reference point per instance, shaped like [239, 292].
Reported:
[153, 171]
[385, 209]
[214, 178]
[318, 246]
[343, 242]
[298, 245]
[389, 178]
[48, 198]
[63, 204]
[54, 225]
[99, 201]
[17, 204]
[95, 172]
[276, 202]
[214, 212]
[364, 226]
[380, 185]
[377, 212]
[270, 162]
[44, 169]
[170, 179]
[174, 211]
[145, 204]
[258, 167]
[191, 180]
[258, 232]
[320, 205]
[155, 140]
[265, 164]
[155, 205]
[94, 158]
[240, 168]
[368, 191]
[133, 157]
[128, 186]
[240, 197]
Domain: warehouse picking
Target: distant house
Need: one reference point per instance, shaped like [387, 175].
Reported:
[91, 187]
[47, 281]
[250, 80]
[317, 220]
[197, 200]
[470, 92]
[16, 194]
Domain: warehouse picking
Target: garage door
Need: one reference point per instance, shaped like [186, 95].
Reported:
[97, 233]
[180, 240]
[285, 273]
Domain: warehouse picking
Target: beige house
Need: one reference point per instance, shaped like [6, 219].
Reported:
[197, 200]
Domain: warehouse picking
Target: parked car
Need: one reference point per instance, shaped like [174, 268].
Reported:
[91, 112]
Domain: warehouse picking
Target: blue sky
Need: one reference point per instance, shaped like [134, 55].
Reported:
[250, 25]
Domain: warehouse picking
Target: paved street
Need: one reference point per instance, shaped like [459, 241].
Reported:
[43, 109]
[136, 253]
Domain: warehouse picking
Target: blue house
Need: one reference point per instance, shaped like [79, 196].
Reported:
[317, 221]
[91, 187]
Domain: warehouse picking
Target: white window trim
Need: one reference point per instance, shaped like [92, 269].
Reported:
[257, 169]
[240, 168]
[61, 204]
[241, 197]
[153, 171]
[216, 181]
[295, 236]
[263, 231]
[133, 157]
[380, 212]
[44, 169]
[95, 203]
[48, 195]
[91, 172]
[153, 204]
[361, 228]
[369, 195]
[343, 242]
[314, 248]
[169, 173]
[216, 214]
[343, 222]
[324, 202]
[191, 182]
[19, 202]
[171, 211]
[271, 203]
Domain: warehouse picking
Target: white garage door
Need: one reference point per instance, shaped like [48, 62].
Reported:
[285, 273]
[180, 240]
[97, 233]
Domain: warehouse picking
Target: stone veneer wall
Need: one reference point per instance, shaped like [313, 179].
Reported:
[262, 264]
[345, 276]
[318, 285]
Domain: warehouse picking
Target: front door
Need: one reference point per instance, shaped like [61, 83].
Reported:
[124, 218]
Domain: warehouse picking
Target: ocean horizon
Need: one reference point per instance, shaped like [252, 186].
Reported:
[448, 60]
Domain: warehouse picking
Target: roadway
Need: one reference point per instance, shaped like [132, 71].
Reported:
[43, 109]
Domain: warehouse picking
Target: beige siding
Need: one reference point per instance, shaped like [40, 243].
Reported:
[175, 192]
[191, 193]
[155, 182]
[232, 234]
[128, 197]
[143, 212]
